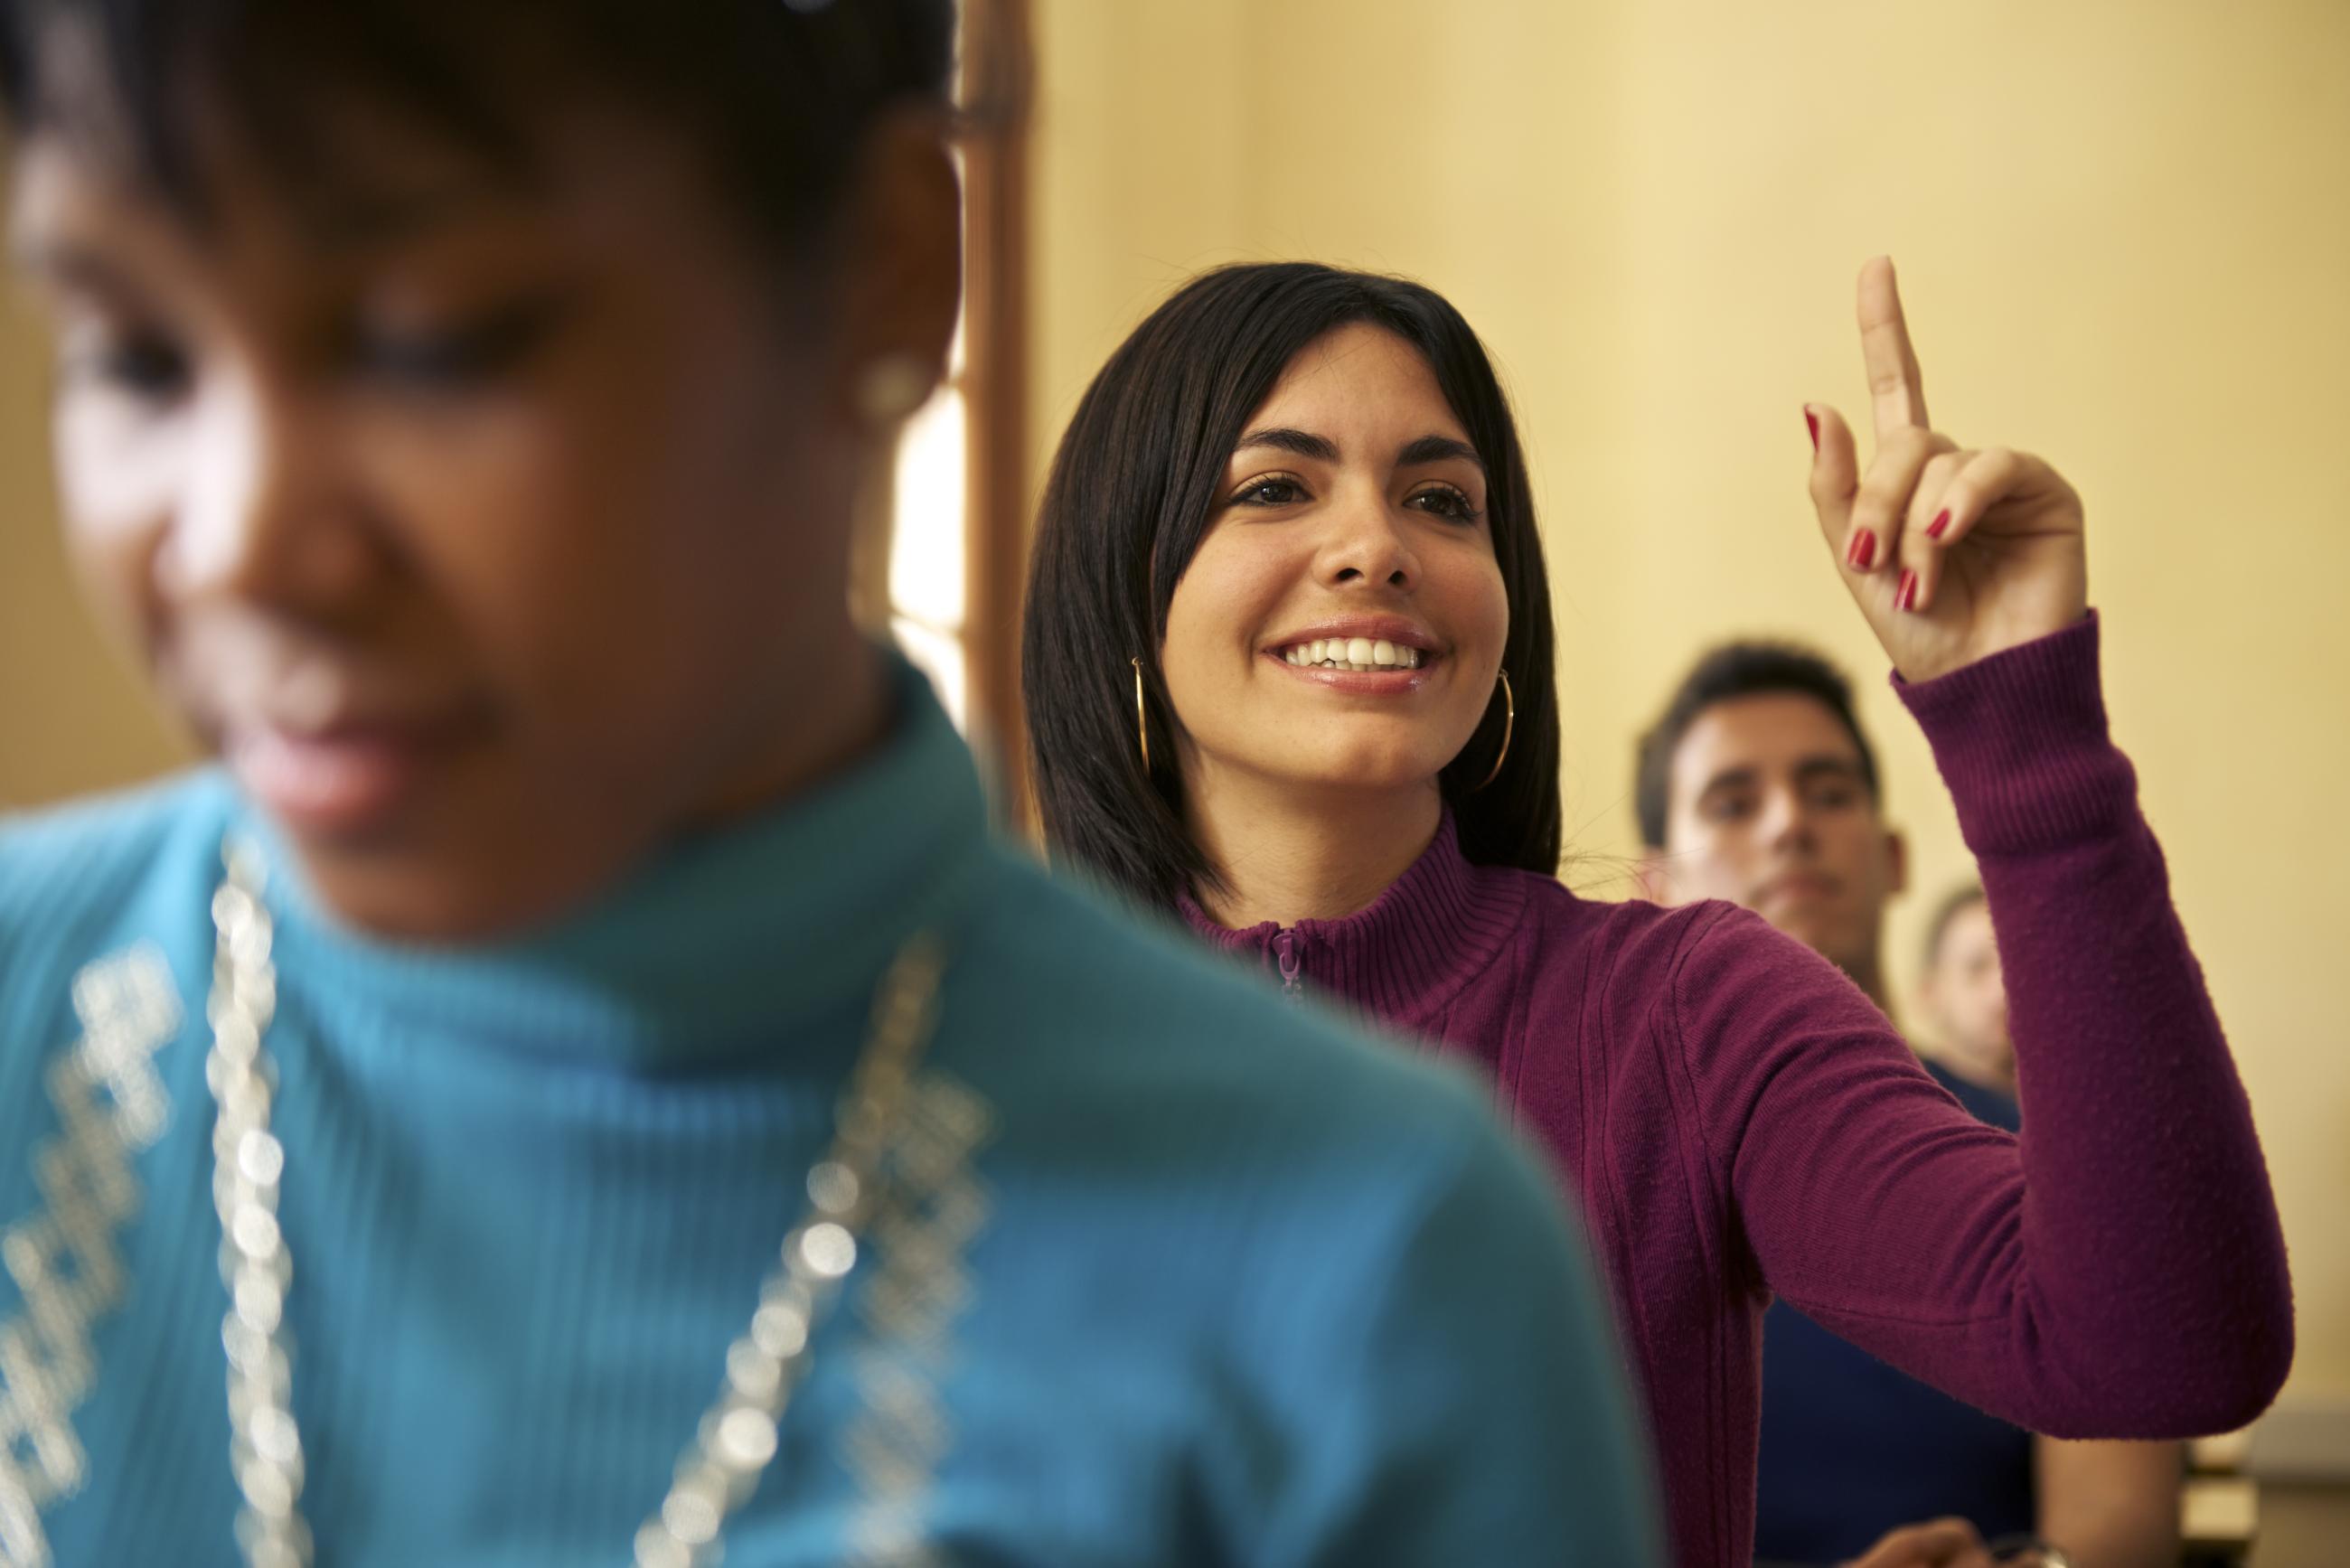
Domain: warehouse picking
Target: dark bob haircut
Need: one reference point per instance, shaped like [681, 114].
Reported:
[775, 95]
[1132, 491]
[1739, 669]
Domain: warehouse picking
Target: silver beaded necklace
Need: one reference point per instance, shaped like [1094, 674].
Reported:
[720, 1467]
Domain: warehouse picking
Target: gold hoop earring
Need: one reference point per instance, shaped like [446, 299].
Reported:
[1141, 716]
[1508, 724]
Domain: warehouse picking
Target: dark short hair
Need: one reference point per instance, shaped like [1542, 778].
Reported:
[1132, 491]
[1955, 902]
[1744, 668]
[777, 95]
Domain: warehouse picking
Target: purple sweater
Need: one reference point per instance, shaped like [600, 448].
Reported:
[1738, 1120]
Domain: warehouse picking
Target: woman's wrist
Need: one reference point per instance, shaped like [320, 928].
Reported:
[2022, 738]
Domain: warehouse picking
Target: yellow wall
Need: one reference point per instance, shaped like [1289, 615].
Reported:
[70, 716]
[2124, 231]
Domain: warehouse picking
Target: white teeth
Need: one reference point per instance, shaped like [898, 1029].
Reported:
[1352, 653]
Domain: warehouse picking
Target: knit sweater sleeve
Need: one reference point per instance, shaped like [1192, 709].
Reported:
[2117, 1271]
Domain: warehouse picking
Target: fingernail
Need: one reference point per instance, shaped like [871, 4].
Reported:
[1863, 552]
[1811, 422]
[1905, 598]
[1941, 521]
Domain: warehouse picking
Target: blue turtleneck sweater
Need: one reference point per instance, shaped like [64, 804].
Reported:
[1173, 1273]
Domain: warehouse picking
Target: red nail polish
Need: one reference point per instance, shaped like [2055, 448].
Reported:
[1941, 522]
[1812, 422]
[1905, 596]
[1862, 553]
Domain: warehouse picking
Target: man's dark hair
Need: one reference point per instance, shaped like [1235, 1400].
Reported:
[1745, 668]
[1132, 491]
[1958, 901]
[777, 96]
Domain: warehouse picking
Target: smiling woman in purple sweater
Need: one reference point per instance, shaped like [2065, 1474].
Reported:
[1289, 673]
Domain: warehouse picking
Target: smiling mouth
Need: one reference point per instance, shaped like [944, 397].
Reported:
[1356, 653]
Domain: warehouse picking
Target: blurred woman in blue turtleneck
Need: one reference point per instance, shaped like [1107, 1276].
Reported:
[578, 1073]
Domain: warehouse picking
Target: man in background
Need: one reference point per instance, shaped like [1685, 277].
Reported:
[1757, 785]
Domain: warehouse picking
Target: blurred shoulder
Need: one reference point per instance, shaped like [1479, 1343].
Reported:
[93, 878]
[95, 849]
[1398, 1300]
[1127, 1011]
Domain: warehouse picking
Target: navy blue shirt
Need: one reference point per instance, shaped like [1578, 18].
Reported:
[1851, 1449]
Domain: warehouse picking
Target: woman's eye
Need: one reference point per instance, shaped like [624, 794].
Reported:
[462, 356]
[149, 368]
[1445, 502]
[1269, 493]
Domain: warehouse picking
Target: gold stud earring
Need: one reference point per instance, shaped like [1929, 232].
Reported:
[1508, 724]
[890, 388]
[1141, 716]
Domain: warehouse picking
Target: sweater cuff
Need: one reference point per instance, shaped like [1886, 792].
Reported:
[2021, 738]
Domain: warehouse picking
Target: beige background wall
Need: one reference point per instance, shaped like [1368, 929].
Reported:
[2124, 231]
[71, 719]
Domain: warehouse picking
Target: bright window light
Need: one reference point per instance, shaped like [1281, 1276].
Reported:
[926, 551]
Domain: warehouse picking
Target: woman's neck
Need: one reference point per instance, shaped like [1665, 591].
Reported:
[1291, 853]
[839, 709]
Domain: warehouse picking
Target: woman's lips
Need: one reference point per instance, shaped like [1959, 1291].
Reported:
[1393, 680]
[341, 782]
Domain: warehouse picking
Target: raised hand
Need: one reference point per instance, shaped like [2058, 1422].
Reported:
[1952, 553]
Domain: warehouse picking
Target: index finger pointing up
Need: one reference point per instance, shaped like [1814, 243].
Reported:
[1895, 390]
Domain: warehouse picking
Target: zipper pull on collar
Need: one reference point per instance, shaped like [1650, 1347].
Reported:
[1284, 948]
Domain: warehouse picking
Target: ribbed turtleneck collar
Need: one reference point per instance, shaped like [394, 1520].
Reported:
[1436, 926]
[728, 940]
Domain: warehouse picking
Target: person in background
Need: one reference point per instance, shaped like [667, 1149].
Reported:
[579, 1072]
[1758, 785]
[1959, 993]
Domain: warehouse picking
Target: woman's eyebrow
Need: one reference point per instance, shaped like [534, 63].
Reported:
[1430, 449]
[1420, 453]
[372, 220]
[63, 262]
[1304, 443]
[64, 267]
[350, 225]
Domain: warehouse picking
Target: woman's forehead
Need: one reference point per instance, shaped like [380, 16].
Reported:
[1359, 386]
[78, 221]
